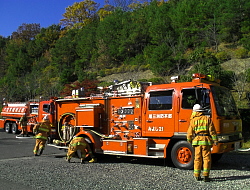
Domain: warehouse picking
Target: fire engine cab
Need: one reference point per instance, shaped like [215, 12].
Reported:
[35, 110]
[143, 120]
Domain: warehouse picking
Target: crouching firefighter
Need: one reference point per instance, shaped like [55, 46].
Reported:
[80, 146]
[42, 131]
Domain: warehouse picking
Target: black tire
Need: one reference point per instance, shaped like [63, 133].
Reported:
[182, 155]
[7, 127]
[216, 157]
[14, 128]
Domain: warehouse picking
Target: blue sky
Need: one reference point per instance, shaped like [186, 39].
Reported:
[13, 13]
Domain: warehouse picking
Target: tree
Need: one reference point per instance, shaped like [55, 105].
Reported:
[79, 14]
[50, 35]
[63, 57]
[26, 32]
[108, 38]
[240, 77]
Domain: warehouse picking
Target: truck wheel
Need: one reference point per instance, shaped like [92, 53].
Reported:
[7, 127]
[182, 155]
[14, 129]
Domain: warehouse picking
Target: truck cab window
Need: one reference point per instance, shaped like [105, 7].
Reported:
[189, 98]
[161, 100]
[46, 108]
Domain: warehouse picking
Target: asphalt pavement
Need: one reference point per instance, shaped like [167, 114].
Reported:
[19, 169]
[13, 149]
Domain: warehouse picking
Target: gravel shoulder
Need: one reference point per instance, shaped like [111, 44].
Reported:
[53, 172]
[19, 168]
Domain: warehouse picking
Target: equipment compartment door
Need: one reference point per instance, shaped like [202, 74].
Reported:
[159, 118]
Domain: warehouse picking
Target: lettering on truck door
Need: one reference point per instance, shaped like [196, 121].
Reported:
[159, 116]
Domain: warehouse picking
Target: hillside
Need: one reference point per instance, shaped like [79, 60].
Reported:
[128, 75]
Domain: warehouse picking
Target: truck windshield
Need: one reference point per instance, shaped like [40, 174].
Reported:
[224, 102]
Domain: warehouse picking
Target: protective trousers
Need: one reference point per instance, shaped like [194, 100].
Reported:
[73, 149]
[40, 144]
[202, 158]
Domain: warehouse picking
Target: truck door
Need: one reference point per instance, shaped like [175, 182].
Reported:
[159, 118]
[189, 97]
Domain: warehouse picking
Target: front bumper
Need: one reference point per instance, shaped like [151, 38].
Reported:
[227, 147]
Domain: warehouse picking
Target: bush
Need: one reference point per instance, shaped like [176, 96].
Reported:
[102, 73]
[222, 56]
[241, 53]
[105, 84]
[108, 71]
[143, 67]
[156, 80]
[133, 68]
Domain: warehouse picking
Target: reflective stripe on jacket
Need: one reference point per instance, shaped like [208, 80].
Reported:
[43, 129]
[201, 130]
[42, 136]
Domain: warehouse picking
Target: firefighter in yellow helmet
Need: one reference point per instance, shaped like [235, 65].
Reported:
[80, 144]
[42, 131]
[201, 133]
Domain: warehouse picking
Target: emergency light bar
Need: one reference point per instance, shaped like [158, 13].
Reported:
[198, 75]
[206, 77]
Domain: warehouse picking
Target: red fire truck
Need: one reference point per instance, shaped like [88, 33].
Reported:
[35, 110]
[142, 120]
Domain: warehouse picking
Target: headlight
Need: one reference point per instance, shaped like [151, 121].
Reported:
[223, 138]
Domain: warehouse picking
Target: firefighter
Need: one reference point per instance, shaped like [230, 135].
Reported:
[42, 131]
[23, 123]
[79, 144]
[202, 135]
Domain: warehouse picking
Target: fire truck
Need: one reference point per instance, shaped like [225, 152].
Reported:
[139, 119]
[35, 110]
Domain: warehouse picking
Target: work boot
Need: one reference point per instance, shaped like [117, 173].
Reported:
[198, 178]
[68, 160]
[20, 135]
[41, 152]
[82, 161]
[36, 155]
[92, 160]
[206, 179]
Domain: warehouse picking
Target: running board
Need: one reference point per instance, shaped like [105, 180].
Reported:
[60, 147]
[117, 153]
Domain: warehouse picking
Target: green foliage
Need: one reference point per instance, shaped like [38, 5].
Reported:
[248, 74]
[105, 84]
[79, 14]
[222, 56]
[102, 73]
[166, 37]
[226, 79]
[156, 80]
[241, 53]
